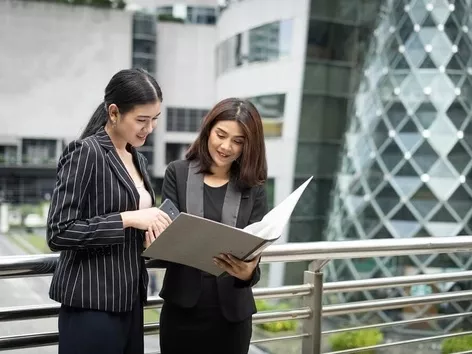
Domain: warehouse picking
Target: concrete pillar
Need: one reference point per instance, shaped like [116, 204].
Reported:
[4, 224]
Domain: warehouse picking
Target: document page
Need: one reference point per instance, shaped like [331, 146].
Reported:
[272, 224]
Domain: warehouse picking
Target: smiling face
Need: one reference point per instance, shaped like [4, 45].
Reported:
[225, 143]
[134, 126]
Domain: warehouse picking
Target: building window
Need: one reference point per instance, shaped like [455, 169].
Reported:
[229, 54]
[268, 42]
[184, 119]
[26, 190]
[39, 152]
[271, 108]
[187, 14]
[8, 155]
[144, 42]
[175, 152]
[270, 191]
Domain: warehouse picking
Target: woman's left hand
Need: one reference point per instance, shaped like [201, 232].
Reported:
[236, 267]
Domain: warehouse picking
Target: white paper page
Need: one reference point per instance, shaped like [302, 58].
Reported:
[272, 224]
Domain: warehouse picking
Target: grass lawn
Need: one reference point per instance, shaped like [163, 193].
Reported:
[151, 315]
[36, 241]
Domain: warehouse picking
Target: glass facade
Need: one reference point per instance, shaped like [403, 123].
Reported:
[188, 14]
[175, 151]
[272, 110]
[264, 43]
[334, 57]
[407, 159]
[144, 42]
[144, 57]
[184, 119]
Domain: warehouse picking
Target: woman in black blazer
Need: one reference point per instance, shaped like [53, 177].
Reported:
[222, 178]
[101, 206]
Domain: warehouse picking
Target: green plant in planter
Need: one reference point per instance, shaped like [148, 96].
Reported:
[356, 339]
[276, 326]
[456, 344]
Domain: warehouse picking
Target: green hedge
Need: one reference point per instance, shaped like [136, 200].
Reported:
[356, 339]
[170, 18]
[456, 344]
[119, 4]
[276, 326]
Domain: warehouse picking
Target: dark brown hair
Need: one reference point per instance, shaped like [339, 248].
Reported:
[251, 167]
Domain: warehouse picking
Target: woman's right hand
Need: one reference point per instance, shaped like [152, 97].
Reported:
[145, 219]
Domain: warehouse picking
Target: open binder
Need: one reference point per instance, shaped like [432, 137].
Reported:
[194, 241]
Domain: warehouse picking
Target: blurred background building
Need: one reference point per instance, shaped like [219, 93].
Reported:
[371, 97]
[406, 163]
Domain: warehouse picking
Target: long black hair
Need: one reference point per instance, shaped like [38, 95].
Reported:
[127, 89]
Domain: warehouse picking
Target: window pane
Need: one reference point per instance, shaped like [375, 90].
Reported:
[331, 41]
[270, 41]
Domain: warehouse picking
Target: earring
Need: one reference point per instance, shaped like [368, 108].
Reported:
[113, 123]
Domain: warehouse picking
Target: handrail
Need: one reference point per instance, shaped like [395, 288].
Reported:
[21, 266]
[311, 311]
[307, 251]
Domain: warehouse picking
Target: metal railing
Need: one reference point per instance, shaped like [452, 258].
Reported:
[311, 292]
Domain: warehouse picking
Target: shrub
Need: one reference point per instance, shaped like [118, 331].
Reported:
[276, 326]
[456, 344]
[356, 339]
[169, 18]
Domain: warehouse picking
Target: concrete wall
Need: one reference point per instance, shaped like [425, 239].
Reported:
[186, 72]
[55, 63]
[264, 78]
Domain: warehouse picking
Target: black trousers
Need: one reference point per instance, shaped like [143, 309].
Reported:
[83, 331]
[203, 328]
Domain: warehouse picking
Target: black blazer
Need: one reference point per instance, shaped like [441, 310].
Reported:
[100, 266]
[182, 284]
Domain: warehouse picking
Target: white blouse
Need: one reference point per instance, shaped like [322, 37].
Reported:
[145, 200]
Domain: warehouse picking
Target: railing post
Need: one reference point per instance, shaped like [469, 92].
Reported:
[312, 325]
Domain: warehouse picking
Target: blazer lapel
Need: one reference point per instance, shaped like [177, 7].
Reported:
[117, 166]
[194, 197]
[194, 194]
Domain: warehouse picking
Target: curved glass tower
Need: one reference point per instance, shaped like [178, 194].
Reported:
[407, 159]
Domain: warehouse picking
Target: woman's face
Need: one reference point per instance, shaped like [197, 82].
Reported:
[135, 126]
[225, 143]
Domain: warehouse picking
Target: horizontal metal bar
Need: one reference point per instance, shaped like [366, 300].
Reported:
[28, 265]
[266, 340]
[29, 340]
[393, 344]
[300, 251]
[48, 338]
[51, 338]
[32, 312]
[283, 291]
[384, 304]
[376, 283]
[29, 312]
[286, 315]
[31, 265]
[398, 323]
[40, 311]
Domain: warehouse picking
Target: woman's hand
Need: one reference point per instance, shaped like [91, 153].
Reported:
[236, 267]
[146, 219]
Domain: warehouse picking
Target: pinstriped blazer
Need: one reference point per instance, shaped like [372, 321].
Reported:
[100, 265]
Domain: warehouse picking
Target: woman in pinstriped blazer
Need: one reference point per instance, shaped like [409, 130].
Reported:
[101, 206]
